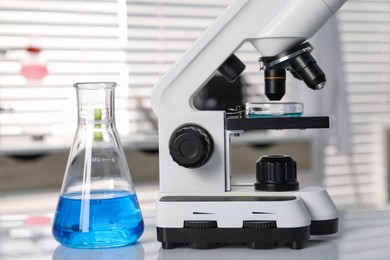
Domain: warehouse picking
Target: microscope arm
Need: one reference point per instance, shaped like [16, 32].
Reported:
[271, 26]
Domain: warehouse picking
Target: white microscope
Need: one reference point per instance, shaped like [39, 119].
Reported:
[197, 206]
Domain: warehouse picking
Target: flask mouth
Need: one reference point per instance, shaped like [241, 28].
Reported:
[95, 85]
[95, 101]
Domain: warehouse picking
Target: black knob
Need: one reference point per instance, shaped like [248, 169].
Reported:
[191, 146]
[200, 224]
[231, 68]
[276, 173]
[258, 224]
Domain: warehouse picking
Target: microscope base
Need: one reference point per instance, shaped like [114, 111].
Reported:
[244, 217]
[207, 238]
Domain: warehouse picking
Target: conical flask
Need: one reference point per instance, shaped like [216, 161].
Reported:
[98, 206]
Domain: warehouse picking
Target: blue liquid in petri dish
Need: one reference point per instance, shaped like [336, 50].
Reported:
[108, 219]
[254, 115]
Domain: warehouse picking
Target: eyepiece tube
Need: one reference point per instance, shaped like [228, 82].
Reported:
[275, 84]
[305, 66]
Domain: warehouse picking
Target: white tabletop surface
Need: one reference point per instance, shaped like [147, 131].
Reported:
[364, 234]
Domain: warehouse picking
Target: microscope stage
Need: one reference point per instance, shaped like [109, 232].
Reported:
[265, 123]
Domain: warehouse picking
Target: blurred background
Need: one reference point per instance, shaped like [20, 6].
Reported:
[46, 46]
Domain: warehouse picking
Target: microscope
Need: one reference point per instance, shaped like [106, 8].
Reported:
[197, 205]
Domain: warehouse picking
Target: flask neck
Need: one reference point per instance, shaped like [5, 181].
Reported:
[95, 103]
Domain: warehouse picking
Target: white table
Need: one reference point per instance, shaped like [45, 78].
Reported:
[364, 234]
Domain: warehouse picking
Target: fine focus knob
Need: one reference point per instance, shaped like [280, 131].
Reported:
[191, 146]
[276, 173]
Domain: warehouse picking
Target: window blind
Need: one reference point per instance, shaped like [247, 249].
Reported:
[134, 42]
[131, 42]
[359, 178]
[79, 41]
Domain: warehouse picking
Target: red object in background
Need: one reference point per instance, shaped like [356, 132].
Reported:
[37, 221]
[32, 49]
[34, 71]
[33, 68]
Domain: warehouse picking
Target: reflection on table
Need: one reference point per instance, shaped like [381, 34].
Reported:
[319, 250]
[134, 252]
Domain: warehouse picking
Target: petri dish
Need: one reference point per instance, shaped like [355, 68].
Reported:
[273, 109]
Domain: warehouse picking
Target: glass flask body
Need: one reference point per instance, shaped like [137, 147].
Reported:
[98, 206]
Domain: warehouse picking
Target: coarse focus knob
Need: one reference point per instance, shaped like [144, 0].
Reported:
[191, 146]
[276, 173]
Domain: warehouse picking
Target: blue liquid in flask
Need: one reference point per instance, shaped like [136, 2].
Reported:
[107, 219]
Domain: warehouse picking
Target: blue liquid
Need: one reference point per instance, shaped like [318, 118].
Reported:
[254, 115]
[108, 219]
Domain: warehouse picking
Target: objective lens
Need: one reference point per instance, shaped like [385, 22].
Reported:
[275, 84]
[305, 66]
